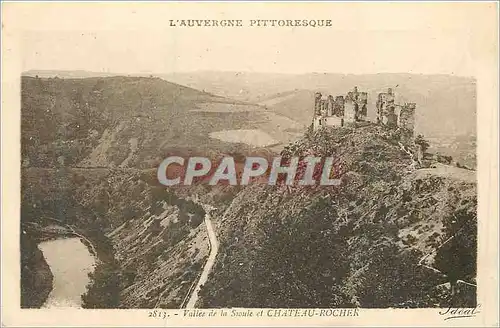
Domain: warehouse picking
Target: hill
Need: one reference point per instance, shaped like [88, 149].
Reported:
[440, 98]
[359, 244]
[377, 240]
[78, 74]
[129, 121]
[441, 115]
[446, 105]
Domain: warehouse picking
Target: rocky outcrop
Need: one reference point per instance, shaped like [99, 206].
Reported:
[36, 276]
[359, 244]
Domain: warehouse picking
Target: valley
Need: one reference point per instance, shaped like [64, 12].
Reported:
[91, 146]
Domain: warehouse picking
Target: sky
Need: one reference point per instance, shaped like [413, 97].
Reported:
[365, 38]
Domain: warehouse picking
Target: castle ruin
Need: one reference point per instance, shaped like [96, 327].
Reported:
[340, 111]
[395, 115]
[343, 111]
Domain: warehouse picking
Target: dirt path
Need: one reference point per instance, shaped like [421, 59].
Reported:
[214, 248]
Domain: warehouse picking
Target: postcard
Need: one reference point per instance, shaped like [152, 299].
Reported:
[249, 164]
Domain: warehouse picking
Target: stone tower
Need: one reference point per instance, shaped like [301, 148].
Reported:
[362, 106]
[352, 106]
[407, 116]
[329, 105]
[350, 109]
[386, 108]
[317, 116]
[338, 111]
[338, 106]
[317, 103]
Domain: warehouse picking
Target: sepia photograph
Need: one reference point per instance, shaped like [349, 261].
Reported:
[309, 161]
[399, 231]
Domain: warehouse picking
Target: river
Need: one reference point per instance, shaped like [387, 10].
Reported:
[70, 262]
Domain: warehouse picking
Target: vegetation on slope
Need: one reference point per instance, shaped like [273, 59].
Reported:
[358, 244]
[119, 121]
[36, 276]
[149, 241]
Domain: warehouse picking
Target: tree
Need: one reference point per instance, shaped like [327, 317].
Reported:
[420, 141]
[302, 261]
[393, 279]
[458, 257]
[104, 289]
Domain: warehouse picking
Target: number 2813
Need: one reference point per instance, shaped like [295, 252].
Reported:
[157, 314]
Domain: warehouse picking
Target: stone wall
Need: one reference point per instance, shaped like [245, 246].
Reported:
[385, 105]
[392, 114]
[352, 108]
[407, 116]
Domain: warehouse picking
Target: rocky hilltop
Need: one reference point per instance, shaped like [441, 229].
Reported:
[380, 239]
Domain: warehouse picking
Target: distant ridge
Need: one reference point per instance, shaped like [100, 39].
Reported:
[437, 96]
[68, 73]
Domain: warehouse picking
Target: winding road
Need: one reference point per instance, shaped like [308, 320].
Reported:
[214, 248]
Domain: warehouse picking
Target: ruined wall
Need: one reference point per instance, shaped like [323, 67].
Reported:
[407, 116]
[340, 110]
[349, 110]
[317, 122]
[385, 107]
[359, 105]
[392, 114]
[338, 106]
[362, 105]
[334, 121]
[322, 104]
[317, 103]
[329, 105]
[390, 119]
[328, 111]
